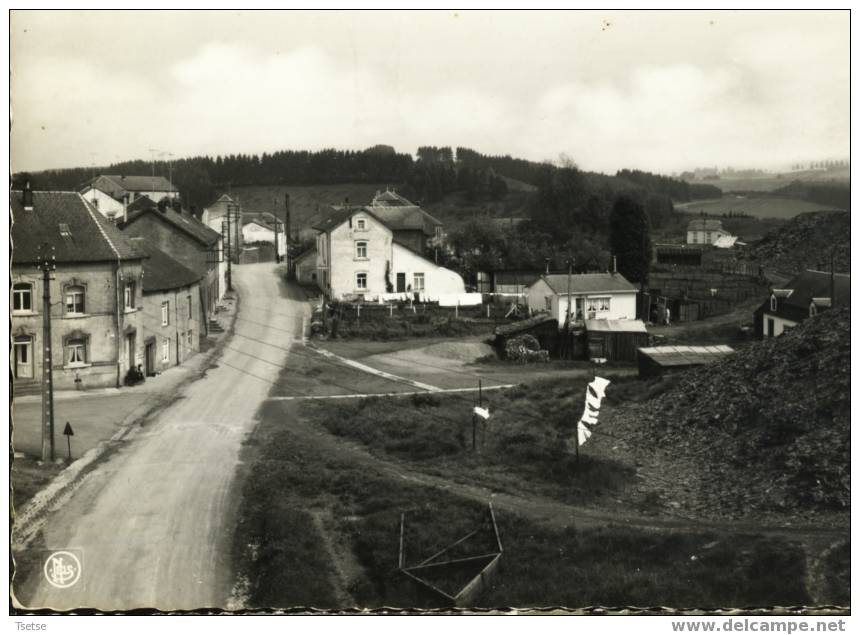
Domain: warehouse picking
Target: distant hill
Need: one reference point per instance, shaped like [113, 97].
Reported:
[758, 206]
[806, 242]
[304, 199]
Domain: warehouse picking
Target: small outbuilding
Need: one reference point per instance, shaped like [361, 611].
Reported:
[615, 340]
[656, 360]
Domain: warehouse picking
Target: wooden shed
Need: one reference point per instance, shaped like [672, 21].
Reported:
[559, 342]
[657, 360]
[615, 340]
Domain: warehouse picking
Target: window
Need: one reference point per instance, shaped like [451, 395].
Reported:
[128, 292]
[598, 304]
[188, 300]
[361, 224]
[189, 340]
[418, 282]
[74, 300]
[361, 250]
[22, 297]
[165, 313]
[165, 351]
[76, 352]
[773, 303]
[361, 281]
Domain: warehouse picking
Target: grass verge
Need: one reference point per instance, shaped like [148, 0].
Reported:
[296, 469]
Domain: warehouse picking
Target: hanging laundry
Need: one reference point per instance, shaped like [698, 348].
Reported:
[594, 394]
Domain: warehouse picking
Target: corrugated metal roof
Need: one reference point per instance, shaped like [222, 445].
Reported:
[616, 326]
[686, 355]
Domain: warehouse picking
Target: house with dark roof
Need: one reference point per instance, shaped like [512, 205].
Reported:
[187, 240]
[593, 296]
[170, 311]
[110, 193]
[802, 297]
[378, 251]
[95, 293]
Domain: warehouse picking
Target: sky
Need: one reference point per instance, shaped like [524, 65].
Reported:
[658, 91]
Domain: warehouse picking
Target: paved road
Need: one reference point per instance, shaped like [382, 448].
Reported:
[153, 523]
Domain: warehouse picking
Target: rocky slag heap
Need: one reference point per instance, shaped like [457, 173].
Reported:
[769, 426]
[806, 241]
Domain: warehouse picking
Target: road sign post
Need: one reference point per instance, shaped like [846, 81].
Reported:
[69, 434]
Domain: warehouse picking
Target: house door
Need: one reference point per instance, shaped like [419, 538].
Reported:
[129, 349]
[149, 359]
[23, 358]
[401, 282]
[770, 327]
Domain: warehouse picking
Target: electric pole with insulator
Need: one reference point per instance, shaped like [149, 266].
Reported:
[47, 263]
[288, 256]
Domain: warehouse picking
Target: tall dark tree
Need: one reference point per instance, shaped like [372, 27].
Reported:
[630, 239]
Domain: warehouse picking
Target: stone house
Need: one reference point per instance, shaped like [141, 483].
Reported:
[185, 239]
[95, 293]
[170, 314]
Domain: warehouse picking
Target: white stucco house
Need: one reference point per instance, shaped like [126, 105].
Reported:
[705, 231]
[109, 193]
[374, 253]
[594, 296]
[264, 228]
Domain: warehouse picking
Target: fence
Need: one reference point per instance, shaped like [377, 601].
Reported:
[424, 311]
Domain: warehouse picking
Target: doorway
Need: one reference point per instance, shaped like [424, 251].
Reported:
[23, 357]
[401, 282]
[149, 359]
[770, 327]
[129, 350]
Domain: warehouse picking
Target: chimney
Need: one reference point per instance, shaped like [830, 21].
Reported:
[546, 260]
[28, 196]
[346, 202]
[614, 265]
[125, 208]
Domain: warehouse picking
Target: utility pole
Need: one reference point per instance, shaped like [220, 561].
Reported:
[288, 256]
[229, 249]
[47, 263]
[275, 216]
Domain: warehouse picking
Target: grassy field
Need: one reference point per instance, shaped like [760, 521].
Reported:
[320, 527]
[773, 182]
[764, 207]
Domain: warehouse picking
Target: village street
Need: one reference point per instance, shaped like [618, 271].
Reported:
[152, 524]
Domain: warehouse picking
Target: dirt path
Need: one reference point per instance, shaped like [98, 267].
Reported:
[153, 524]
[547, 511]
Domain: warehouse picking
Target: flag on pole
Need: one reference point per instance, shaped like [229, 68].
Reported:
[594, 394]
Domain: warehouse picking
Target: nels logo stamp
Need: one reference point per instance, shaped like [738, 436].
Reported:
[62, 568]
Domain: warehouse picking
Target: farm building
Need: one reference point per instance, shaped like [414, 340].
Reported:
[615, 340]
[684, 255]
[655, 361]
